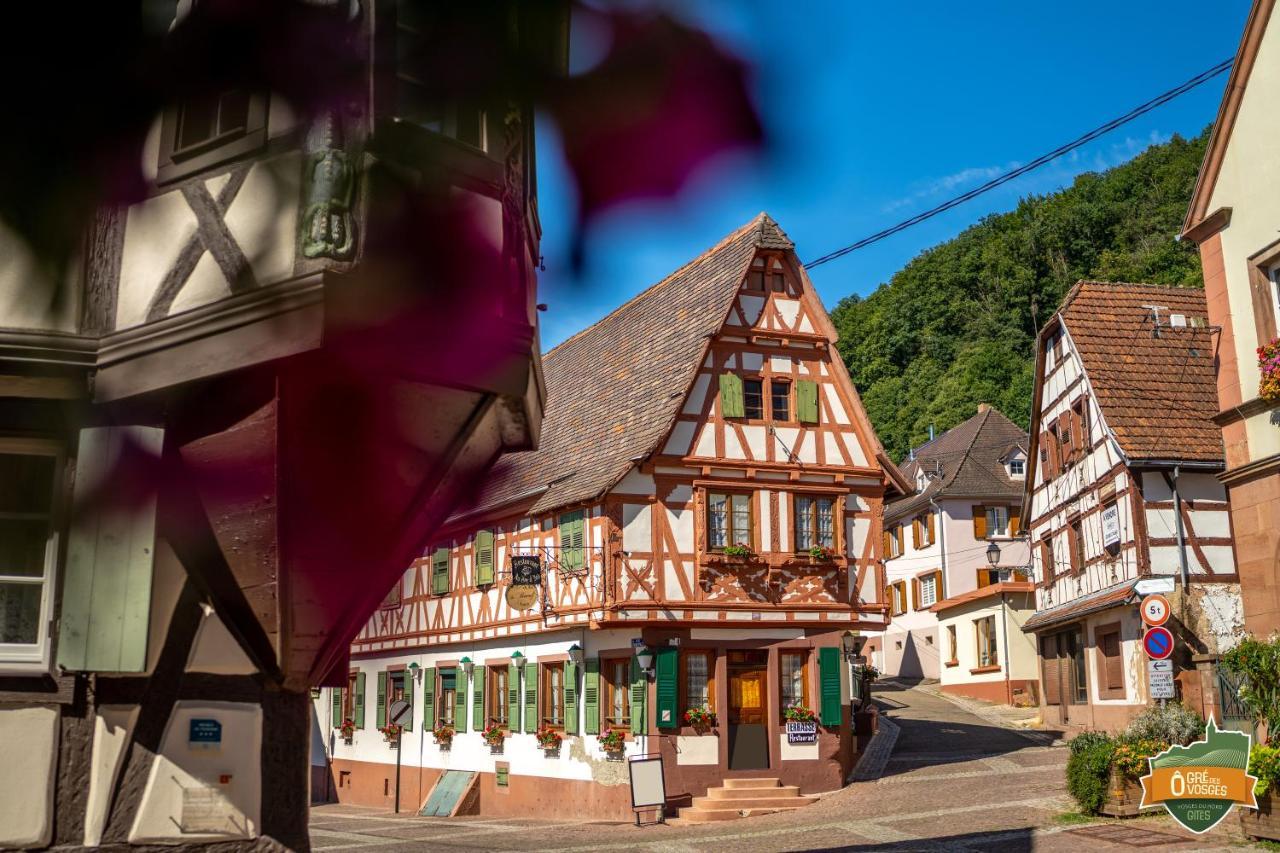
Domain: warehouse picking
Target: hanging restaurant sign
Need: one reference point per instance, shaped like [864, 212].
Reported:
[522, 597]
[526, 570]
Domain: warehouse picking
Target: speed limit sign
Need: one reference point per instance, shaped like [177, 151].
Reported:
[1155, 610]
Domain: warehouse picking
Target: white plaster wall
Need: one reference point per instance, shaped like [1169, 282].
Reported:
[637, 531]
[1249, 183]
[215, 650]
[697, 749]
[29, 299]
[30, 738]
[681, 438]
[1019, 660]
[112, 730]
[634, 483]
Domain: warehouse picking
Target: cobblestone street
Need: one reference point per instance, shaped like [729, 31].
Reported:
[953, 781]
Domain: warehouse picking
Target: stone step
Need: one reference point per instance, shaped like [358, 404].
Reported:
[753, 793]
[698, 815]
[765, 782]
[739, 803]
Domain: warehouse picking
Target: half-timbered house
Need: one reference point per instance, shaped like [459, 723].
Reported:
[1122, 487]
[229, 433]
[708, 491]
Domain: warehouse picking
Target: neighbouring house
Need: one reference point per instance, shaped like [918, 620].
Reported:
[966, 497]
[214, 460]
[986, 655]
[708, 492]
[1123, 486]
[1233, 219]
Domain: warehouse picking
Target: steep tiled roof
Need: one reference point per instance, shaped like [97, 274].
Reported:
[614, 388]
[982, 592]
[1069, 611]
[967, 461]
[1157, 393]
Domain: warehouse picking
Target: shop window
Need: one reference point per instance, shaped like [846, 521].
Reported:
[985, 631]
[729, 519]
[28, 474]
[496, 697]
[814, 525]
[615, 694]
[551, 696]
[697, 680]
[791, 676]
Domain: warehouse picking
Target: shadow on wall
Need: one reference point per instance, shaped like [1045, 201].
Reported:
[919, 659]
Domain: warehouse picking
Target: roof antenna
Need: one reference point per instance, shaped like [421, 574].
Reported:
[1155, 317]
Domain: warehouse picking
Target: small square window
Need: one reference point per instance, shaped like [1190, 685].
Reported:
[1017, 467]
[753, 398]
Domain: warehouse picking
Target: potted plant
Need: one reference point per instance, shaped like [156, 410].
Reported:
[798, 714]
[700, 719]
[738, 553]
[1269, 365]
[819, 554]
[869, 673]
[347, 731]
[1264, 762]
[1129, 762]
[611, 740]
[549, 739]
[391, 732]
[444, 735]
[493, 735]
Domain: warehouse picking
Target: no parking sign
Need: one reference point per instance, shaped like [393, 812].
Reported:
[1158, 643]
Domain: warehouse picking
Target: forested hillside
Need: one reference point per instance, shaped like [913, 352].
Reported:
[956, 326]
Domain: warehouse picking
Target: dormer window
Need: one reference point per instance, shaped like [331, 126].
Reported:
[767, 274]
[1017, 468]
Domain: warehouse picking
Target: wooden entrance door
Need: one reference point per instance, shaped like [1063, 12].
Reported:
[748, 710]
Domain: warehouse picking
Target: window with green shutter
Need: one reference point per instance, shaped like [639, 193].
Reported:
[381, 713]
[335, 710]
[513, 697]
[478, 721]
[666, 686]
[460, 701]
[807, 401]
[428, 698]
[484, 557]
[408, 697]
[572, 557]
[358, 704]
[830, 706]
[591, 695]
[440, 571]
[731, 395]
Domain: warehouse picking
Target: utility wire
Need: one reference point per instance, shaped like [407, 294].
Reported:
[1202, 77]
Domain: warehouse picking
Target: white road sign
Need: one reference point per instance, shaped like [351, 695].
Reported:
[1111, 526]
[1161, 684]
[1153, 586]
[1165, 665]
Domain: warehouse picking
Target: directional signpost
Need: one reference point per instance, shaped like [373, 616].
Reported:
[1160, 678]
[398, 714]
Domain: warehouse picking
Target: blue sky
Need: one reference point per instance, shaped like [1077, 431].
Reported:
[878, 111]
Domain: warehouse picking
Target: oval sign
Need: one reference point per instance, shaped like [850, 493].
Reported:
[521, 596]
[1155, 610]
[1158, 643]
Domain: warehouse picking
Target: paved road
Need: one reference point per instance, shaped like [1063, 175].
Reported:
[953, 782]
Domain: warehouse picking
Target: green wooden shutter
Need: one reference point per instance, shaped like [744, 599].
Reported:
[459, 700]
[440, 571]
[807, 401]
[829, 685]
[666, 666]
[591, 695]
[484, 557]
[513, 697]
[408, 697]
[478, 718]
[531, 697]
[731, 395]
[571, 525]
[335, 714]
[570, 698]
[639, 700]
[381, 713]
[106, 592]
[358, 705]
[428, 698]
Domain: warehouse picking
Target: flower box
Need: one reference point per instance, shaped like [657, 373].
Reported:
[700, 719]
[1265, 822]
[612, 741]
[549, 740]
[1124, 796]
[494, 735]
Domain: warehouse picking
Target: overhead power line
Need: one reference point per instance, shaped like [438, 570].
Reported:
[1202, 77]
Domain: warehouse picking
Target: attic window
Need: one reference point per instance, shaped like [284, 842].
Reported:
[1017, 468]
[776, 279]
[755, 276]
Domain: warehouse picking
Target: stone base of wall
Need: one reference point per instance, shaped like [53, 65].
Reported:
[366, 783]
[992, 691]
[1078, 718]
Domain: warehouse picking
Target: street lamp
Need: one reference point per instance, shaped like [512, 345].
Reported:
[415, 671]
[518, 660]
[644, 659]
[576, 654]
[993, 553]
[467, 666]
[852, 643]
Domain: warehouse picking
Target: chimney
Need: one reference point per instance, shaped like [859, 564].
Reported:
[983, 408]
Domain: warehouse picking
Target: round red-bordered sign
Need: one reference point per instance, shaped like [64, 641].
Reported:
[1158, 643]
[1155, 610]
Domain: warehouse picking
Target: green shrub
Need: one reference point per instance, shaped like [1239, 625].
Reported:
[1264, 762]
[1257, 664]
[1173, 723]
[1089, 770]
[1129, 755]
